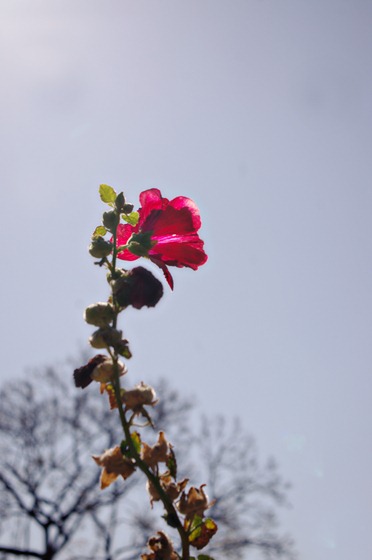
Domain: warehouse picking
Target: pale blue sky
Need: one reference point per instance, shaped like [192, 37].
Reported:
[260, 111]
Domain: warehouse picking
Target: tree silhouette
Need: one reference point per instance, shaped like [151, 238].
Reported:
[50, 502]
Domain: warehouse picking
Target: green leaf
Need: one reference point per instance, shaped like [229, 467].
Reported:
[100, 231]
[131, 218]
[124, 448]
[136, 439]
[201, 532]
[210, 524]
[196, 527]
[205, 557]
[121, 248]
[107, 194]
[172, 464]
[123, 349]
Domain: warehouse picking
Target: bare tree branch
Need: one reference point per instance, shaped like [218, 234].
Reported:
[21, 552]
[48, 481]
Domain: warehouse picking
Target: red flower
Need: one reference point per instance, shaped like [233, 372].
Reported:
[173, 226]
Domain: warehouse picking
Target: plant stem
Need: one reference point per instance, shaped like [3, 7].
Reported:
[167, 502]
[168, 505]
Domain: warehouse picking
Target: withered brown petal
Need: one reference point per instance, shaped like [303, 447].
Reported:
[82, 375]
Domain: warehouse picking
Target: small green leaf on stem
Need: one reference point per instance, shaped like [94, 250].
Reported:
[100, 231]
[195, 528]
[107, 194]
[123, 349]
[124, 448]
[131, 218]
[172, 464]
[210, 524]
[136, 439]
[200, 536]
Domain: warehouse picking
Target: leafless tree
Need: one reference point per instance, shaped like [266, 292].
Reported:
[245, 492]
[50, 502]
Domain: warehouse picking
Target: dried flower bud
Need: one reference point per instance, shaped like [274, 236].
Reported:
[100, 248]
[140, 396]
[99, 314]
[171, 488]
[174, 489]
[158, 453]
[161, 547]
[102, 338]
[195, 502]
[100, 368]
[83, 375]
[113, 464]
[104, 371]
[154, 494]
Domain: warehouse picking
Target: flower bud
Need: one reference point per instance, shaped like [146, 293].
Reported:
[105, 370]
[100, 248]
[102, 338]
[100, 368]
[114, 274]
[120, 202]
[127, 208]
[195, 502]
[161, 547]
[110, 220]
[140, 396]
[172, 488]
[99, 314]
[137, 287]
[140, 243]
[83, 375]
